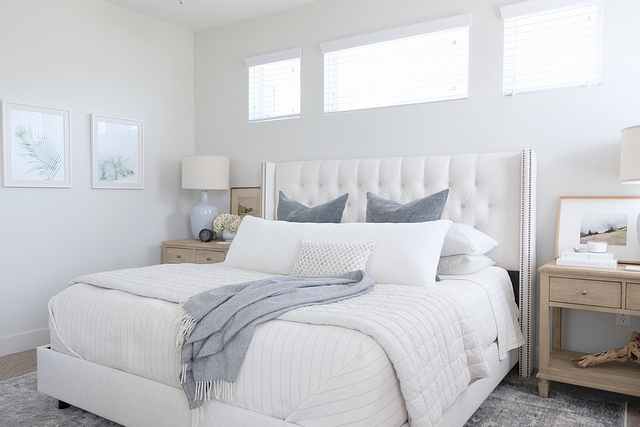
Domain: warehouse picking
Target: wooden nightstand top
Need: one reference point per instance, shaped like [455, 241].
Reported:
[197, 244]
[619, 272]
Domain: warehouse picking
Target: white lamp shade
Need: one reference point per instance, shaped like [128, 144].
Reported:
[205, 172]
[630, 155]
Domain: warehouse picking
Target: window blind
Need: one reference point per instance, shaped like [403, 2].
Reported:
[274, 85]
[419, 63]
[551, 44]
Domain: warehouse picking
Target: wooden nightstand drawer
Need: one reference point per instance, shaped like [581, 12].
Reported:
[180, 255]
[585, 292]
[209, 257]
[193, 251]
[633, 296]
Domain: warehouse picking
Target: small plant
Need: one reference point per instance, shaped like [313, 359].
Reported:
[41, 150]
[114, 167]
[228, 222]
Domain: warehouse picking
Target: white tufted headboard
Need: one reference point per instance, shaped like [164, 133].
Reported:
[493, 192]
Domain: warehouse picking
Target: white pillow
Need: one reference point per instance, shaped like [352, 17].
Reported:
[463, 239]
[319, 259]
[463, 264]
[404, 254]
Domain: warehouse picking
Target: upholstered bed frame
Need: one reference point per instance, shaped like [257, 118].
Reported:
[493, 192]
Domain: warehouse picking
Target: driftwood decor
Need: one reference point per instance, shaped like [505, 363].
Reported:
[631, 351]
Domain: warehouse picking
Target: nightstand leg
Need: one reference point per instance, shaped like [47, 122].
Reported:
[543, 388]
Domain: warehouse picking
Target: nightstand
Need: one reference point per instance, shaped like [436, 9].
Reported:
[194, 251]
[610, 290]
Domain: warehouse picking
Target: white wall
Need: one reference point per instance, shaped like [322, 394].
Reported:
[88, 56]
[575, 132]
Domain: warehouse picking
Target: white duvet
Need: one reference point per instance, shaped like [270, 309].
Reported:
[431, 341]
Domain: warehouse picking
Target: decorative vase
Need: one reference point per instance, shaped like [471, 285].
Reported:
[227, 235]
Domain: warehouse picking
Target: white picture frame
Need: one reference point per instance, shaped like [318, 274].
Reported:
[612, 219]
[117, 153]
[36, 146]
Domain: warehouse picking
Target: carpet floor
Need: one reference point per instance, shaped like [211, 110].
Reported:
[514, 403]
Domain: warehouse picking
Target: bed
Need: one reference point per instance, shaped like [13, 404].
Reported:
[112, 348]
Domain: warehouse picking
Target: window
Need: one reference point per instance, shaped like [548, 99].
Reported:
[419, 63]
[551, 45]
[274, 85]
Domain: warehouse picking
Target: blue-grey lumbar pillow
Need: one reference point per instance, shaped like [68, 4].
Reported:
[428, 208]
[292, 211]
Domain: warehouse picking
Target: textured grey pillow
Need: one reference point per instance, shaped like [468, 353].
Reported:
[428, 208]
[292, 211]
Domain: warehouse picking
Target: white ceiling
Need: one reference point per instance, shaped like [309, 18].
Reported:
[196, 15]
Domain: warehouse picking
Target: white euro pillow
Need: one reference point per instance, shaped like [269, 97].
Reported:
[403, 254]
[463, 239]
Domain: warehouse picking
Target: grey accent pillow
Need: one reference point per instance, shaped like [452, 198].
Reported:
[428, 208]
[292, 211]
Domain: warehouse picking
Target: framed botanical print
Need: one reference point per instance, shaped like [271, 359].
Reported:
[36, 147]
[117, 153]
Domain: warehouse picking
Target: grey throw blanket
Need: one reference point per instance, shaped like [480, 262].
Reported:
[215, 327]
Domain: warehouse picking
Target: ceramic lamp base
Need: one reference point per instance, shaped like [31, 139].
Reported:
[202, 215]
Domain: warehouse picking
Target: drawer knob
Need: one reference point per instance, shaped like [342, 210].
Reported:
[178, 256]
[208, 258]
[583, 292]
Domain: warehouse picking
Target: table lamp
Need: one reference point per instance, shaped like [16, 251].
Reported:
[630, 155]
[204, 172]
[630, 160]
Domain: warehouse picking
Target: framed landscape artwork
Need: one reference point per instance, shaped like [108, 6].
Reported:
[610, 219]
[245, 201]
[117, 153]
[36, 147]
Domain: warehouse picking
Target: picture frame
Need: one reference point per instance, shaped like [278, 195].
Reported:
[36, 146]
[117, 153]
[245, 201]
[611, 219]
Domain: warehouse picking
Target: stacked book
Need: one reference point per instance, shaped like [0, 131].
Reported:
[588, 259]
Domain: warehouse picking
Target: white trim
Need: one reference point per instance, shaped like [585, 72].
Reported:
[534, 6]
[267, 58]
[463, 20]
[23, 342]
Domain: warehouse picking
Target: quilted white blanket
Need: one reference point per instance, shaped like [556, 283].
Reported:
[426, 334]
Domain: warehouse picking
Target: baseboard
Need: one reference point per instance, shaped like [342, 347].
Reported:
[22, 342]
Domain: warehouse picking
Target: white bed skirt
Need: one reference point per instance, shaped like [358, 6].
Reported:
[134, 401]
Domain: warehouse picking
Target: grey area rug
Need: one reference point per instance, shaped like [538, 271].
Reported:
[514, 403]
